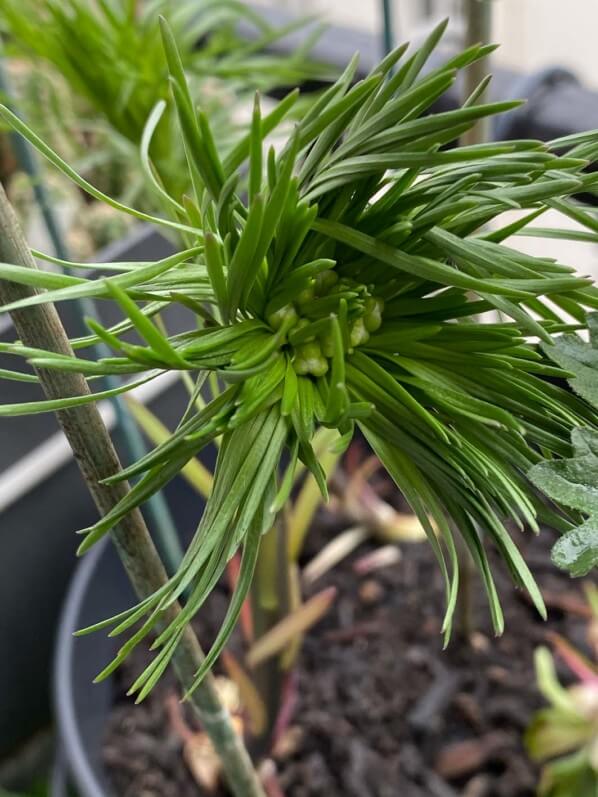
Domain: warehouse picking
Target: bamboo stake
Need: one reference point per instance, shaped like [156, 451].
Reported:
[40, 327]
[133, 445]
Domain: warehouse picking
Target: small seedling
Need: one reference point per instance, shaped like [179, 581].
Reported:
[566, 734]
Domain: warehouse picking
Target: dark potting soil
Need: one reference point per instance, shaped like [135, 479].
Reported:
[382, 710]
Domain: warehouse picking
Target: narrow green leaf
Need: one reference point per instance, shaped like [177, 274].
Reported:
[18, 125]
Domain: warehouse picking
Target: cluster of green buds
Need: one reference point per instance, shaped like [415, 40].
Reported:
[306, 320]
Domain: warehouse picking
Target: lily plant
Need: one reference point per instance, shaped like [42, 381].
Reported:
[360, 277]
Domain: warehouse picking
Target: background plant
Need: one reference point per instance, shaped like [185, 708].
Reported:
[90, 73]
[343, 290]
[566, 733]
[573, 481]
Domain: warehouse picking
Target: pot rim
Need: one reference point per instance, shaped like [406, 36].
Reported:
[69, 733]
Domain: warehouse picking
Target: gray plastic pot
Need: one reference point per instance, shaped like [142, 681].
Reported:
[81, 708]
[99, 589]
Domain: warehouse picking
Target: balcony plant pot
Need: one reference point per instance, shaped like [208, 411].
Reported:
[99, 589]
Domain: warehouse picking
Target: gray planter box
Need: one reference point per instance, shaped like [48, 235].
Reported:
[42, 503]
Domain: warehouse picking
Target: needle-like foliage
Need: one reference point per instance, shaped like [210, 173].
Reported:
[339, 282]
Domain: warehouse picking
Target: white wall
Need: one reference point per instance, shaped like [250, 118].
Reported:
[352, 13]
[537, 33]
[532, 33]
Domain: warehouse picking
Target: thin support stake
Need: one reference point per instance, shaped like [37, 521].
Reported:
[131, 439]
[40, 326]
[388, 37]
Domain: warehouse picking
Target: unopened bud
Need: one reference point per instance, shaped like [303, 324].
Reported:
[277, 319]
[359, 333]
[325, 280]
[372, 317]
[305, 296]
[309, 359]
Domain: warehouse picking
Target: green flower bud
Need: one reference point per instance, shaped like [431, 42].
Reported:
[372, 317]
[325, 280]
[310, 350]
[306, 295]
[309, 355]
[277, 319]
[359, 333]
[300, 366]
[319, 367]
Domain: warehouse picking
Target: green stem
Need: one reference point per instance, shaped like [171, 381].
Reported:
[269, 603]
[40, 327]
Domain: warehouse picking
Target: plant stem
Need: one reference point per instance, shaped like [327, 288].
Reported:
[269, 601]
[40, 327]
[478, 29]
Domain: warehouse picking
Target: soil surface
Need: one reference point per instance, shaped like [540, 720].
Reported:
[382, 710]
